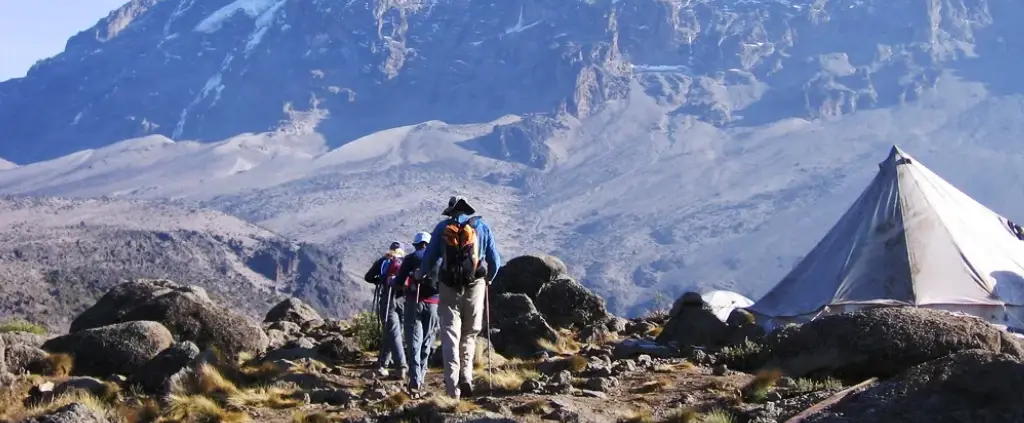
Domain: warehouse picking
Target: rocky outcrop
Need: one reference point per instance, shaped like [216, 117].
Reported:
[185, 310]
[528, 274]
[880, 342]
[566, 303]
[22, 357]
[121, 348]
[692, 323]
[519, 326]
[292, 310]
[970, 385]
[157, 375]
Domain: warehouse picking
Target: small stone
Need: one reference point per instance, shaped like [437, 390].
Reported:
[530, 385]
[376, 394]
[644, 360]
[602, 384]
[592, 394]
[720, 370]
[563, 415]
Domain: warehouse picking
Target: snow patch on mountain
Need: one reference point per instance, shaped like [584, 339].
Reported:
[252, 8]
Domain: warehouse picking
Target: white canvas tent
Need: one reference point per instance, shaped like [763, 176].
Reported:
[910, 239]
[722, 303]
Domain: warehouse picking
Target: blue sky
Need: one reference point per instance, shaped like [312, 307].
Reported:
[35, 29]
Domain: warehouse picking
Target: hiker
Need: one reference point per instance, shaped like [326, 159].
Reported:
[389, 306]
[421, 322]
[469, 262]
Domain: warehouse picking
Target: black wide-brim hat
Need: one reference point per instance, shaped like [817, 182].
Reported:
[458, 203]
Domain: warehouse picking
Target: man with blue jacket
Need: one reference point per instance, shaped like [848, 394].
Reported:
[421, 321]
[470, 260]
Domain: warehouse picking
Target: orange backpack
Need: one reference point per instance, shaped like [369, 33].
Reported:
[461, 258]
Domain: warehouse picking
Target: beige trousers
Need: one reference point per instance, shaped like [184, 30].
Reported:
[462, 318]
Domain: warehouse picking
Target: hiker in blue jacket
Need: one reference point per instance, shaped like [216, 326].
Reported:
[464, 277]
[389, 304]
[421, 321]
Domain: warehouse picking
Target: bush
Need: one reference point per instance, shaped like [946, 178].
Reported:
[367, 331]
[18, 325]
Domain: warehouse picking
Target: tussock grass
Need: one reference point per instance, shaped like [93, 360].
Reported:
[672, 368]
[53, 365]
[452, 405]
[577, 363]
[507, 380]
[747, 357]
[146, 411]
[19, 325]
[566, 344]
[198, 408]
[262, 372]
[757, 390]
[81, 397]
[681, 415]
[655, 331]
[638, 416]
[811, 385]
[536, 407]
[653, 386]
[716, 416]
[263, 397]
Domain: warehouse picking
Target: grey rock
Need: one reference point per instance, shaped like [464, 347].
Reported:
[881, 342]
[336, 397]
[186, 311]
[276, 339]
[566, 303]
[624, 367]
[340, 349]
[628, 348]
[691, 323]
[289, 328]
[719, 370]
[602, 384]
[528, 274]
[530, 386]
[121, 348]
[22, 338]
[616, 324]
[519, 325]
[20, 357]
[595, 334]
[306, 343]
[155, 377]
[292, 310]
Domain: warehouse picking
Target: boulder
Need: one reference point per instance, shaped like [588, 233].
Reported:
[616, 324]
[156, 376]
[20, 357]
[22, 338]
[340, 349]
[185, 310]
[71, 413]
[121, 348]
[596, 334]
[691, 323]
[966, 386]
[292, 310]
[880, 342]
[518, 325]
[566, 303]
[528, 274]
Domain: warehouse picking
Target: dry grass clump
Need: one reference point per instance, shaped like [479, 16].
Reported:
[19, 325]
[393, 402]
[264, 397]
[716, 416]
[672, 368]
[681, 415]
[564, 345]
[84, 398]
[638, 416]
[811, 385]
[53, 365]
[261, 373]
[198, 408]
[653, 386]
[537, 407]
[451, 405]
[507, 380]
[577, 363]
[655, 331]
[757, 390]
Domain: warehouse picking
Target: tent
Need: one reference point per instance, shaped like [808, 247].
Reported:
[910, 239]
[724, 302]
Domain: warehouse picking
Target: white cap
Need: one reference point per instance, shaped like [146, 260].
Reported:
[421, 237]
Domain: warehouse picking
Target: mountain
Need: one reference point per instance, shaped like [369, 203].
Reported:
[655, 145]
[60, 255]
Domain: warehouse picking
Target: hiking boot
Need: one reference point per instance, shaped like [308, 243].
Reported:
[465, 389]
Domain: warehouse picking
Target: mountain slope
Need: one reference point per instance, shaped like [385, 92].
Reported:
[60, 255]
[655, 145]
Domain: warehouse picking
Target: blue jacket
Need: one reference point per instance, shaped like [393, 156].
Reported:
[488, 249]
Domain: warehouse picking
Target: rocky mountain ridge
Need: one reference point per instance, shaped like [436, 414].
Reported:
[190, 70]
[58, 255]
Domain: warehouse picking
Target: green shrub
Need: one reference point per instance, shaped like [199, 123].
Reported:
[18, 325]
[367, 331]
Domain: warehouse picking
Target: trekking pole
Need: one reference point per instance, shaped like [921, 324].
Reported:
[487, 315]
